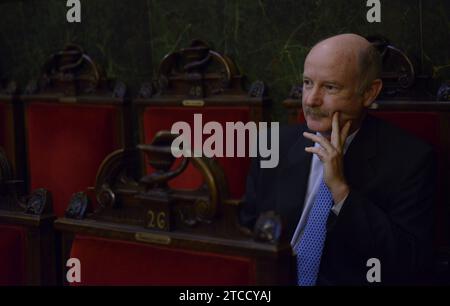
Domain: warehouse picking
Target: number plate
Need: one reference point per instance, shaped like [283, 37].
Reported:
[158, 219]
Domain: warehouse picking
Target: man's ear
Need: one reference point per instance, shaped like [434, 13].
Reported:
[372, 92]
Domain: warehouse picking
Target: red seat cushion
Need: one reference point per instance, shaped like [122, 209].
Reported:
[235, 168]
[12, 255]
[66, 145]
[109, 262]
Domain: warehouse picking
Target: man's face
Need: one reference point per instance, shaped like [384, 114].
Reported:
[330, 84]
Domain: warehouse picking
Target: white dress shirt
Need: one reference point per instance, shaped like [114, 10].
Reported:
[314, 180]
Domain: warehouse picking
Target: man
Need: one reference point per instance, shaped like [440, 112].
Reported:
[349, 187]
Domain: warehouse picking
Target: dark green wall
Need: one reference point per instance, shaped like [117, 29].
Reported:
[267, 38]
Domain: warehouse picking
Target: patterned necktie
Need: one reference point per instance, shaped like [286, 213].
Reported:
[309, 250]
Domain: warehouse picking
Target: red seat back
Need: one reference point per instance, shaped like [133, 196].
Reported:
[66, 145]
[235, 168]
[199, 80]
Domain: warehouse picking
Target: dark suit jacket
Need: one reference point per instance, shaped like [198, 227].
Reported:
[387, 215]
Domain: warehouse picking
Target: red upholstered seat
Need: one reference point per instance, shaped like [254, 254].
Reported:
[66, 145]
[112, 262]
[12, 255]
[235, 168]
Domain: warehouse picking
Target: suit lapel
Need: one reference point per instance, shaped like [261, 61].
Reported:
[358, 168]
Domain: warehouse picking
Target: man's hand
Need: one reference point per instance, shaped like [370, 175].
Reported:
[332, 156]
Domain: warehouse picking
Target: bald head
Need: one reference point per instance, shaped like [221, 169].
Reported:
[340, 76]
[354, 53]
[346, 41]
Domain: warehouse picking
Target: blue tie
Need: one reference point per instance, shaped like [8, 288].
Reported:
[309, 250]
